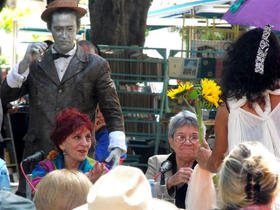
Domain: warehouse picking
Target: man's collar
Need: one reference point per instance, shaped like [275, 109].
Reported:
[71, 52]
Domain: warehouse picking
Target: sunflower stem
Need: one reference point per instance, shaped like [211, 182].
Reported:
[199, 120]
[188, 105]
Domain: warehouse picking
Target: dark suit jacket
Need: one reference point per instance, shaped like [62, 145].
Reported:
[85, 83]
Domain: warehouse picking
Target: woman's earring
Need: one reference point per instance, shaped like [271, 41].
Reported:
[63, 152]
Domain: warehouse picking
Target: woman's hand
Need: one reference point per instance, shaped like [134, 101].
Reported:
[203, 155]
[94, 174]
[182, 176]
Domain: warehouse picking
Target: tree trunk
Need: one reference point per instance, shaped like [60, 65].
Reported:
[2, 4]
[118, 22]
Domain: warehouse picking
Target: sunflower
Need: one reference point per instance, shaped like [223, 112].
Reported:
[205, 95]
[181, 90]
[211, 91]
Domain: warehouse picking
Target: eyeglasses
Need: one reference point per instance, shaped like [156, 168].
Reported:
[182, 139]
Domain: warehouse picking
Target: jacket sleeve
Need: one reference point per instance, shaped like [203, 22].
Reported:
[9, 94]
[154, 164]
[153, 167]
[108, 99]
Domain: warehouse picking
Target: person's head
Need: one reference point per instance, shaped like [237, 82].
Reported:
[183, 134]
[89, 47]
[73, 133]
[239, 78]
[63, 20]
[248, 175]
[123, 188]
[62, 189]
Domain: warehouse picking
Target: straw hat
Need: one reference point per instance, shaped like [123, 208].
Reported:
[55, 5]
[123, 188]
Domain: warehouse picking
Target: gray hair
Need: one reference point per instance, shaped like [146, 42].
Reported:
[183, 118]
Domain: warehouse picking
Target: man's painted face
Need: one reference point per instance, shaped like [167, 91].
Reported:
[64, 29]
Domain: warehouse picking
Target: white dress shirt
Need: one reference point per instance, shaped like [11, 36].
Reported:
[62, 63]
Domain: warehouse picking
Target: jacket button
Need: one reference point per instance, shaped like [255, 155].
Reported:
[60, 91]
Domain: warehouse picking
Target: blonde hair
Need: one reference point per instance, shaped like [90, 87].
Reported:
[248, 176]
[62, 189]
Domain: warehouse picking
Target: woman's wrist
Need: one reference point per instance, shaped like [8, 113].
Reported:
[169, 183]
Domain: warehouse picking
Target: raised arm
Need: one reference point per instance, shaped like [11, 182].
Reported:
[221, 140]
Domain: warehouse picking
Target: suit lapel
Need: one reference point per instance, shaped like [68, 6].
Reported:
[77, 64]
[47, 65]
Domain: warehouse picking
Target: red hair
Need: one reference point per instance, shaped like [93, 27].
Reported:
[67, 122]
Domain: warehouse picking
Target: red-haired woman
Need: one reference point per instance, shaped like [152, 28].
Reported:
[72, 136]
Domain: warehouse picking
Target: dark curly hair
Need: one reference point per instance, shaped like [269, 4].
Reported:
[239, 78]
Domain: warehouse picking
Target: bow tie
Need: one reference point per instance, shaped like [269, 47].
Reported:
[59, 55]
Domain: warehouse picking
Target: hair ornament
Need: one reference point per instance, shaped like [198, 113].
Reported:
[262, 50]
[249, 186]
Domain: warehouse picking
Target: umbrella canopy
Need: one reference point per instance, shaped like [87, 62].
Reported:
[254, 13]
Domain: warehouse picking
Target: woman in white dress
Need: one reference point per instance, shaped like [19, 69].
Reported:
[251, 92]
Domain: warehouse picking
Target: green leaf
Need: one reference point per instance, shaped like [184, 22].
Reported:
[216, 180]
[193, 95]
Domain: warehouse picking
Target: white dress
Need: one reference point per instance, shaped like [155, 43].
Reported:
[242, 126]
[264, 127]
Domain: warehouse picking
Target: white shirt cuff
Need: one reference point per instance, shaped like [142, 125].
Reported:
[14, 79]
[117, 139]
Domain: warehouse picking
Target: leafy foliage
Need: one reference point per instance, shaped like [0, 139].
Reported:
[3, 60]
[7, 16]
[2, 4]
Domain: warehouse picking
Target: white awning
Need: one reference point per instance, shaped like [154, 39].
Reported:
[179, 9]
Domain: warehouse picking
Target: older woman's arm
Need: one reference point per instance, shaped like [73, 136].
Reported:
[153, 167]
[154, 164]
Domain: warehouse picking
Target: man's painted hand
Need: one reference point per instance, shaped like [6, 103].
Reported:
[35, 51]
[114, 156]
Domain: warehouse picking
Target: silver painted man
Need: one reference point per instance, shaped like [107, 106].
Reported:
[64, 76]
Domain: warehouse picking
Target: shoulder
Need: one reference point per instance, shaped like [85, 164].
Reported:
[158, 159]
[12, 201]
[92, 59]
[46, 165]
[154, 164]
[222, 112]
[223, 108]
[97, 60]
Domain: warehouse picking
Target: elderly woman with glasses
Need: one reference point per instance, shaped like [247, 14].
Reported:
[184, 140]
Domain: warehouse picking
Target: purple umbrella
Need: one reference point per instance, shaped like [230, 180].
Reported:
[254, 13]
